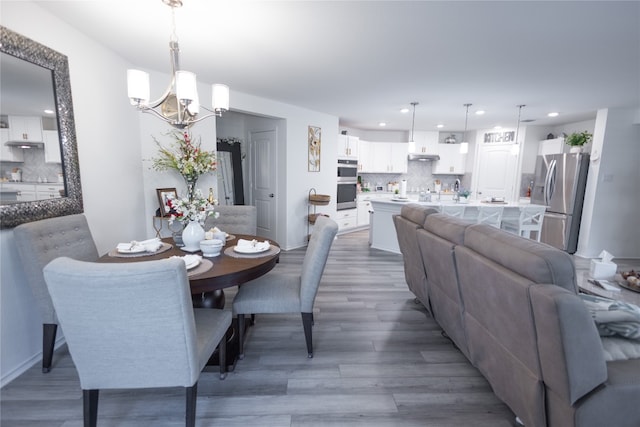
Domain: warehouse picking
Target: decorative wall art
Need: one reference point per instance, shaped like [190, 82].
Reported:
[508, 136]
[315, 141]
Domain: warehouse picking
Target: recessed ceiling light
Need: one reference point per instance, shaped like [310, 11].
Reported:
[383, 124]
[440, 126]
[404, 110]
[554, 114]
[48, 111]
[480, 112]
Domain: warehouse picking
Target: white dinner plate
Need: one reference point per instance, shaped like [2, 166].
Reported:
[136, 249]
[250, 249]
[193, 264]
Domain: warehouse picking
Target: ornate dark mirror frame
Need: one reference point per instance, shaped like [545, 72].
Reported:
[28, 50]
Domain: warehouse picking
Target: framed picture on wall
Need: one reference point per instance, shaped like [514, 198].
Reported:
[163, 198]
[314, 142]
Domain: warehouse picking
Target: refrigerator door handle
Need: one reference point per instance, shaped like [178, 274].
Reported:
[548, 181]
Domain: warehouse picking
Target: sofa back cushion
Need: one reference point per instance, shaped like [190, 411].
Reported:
[448, 227]
[536, 261]
[416, 213]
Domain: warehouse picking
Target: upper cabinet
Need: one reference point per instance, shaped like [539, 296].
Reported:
[25, 128]
[551, 146]
[424, 142]
[9, 154]
[347, 146]
[451, 162]
[383, 157]
[51, 146]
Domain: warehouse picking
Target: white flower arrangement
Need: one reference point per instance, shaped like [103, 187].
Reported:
[197, 209]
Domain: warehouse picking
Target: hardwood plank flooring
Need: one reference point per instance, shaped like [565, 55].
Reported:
[379, 360]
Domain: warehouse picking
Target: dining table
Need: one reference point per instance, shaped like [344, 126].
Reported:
[213, 275]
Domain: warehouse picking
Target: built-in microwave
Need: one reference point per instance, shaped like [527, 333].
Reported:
[347, 170]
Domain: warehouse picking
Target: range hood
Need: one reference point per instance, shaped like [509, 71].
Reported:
[423, 157]
[24, 144]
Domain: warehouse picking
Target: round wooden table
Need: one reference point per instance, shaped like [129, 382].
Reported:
[207, 288]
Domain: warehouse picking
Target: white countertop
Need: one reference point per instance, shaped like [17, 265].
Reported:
[434, 202]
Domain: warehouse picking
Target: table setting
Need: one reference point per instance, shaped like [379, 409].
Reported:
[245, 248]
[135, 248]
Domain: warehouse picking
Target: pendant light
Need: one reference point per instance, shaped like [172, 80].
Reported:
[464, 145]
[515, 148]
[412, 144]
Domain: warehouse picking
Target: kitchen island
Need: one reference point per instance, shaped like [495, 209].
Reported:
[383, 231]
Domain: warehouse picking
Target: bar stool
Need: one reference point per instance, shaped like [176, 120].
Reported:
[491, 215]
[453, 210]
[530, 219]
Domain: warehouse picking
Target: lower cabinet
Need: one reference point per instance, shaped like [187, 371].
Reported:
[364, 207]
[347, 218]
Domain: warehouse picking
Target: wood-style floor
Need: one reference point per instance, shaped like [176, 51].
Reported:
[379, 360]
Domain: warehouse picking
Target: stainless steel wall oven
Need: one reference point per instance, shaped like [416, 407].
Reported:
[347, 184]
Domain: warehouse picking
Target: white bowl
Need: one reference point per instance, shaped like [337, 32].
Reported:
[211, 248]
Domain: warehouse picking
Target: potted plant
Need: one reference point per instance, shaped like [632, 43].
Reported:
[577, 140]
[464, 194]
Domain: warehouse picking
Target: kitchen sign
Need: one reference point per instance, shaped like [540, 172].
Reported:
[508, 136]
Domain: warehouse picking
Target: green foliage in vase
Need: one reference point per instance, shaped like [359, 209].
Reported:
[578, 139]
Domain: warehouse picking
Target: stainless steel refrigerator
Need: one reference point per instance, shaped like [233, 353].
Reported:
[559, 183]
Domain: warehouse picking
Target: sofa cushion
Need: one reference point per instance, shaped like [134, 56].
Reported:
[448, 227]
[416, 213]
[536, 261]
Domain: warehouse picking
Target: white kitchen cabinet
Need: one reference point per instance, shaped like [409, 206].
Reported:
[25, 128]
[364, 207]
[347, 146]
[346, 219]
[48, 191]
[364, 156]
[386, 157]
[51, 146]
[25, 192]
[452, 161]
[424, 142]
[551, 146]
[9, 154]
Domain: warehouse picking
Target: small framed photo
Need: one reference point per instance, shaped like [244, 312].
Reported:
[163, 198]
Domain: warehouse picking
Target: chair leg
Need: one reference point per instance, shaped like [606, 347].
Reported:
[241, 336]
[48, 342]
[307, 320]
[190, 413]
[90, 407]
[222, 357]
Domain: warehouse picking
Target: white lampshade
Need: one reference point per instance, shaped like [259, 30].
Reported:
[464, 147]
[194, 106]
[220, 97]
[138, 86]
[186, 89]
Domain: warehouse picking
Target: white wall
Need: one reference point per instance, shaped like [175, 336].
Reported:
[611, 217]
[110, 170]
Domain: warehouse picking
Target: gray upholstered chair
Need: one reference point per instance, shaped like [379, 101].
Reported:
[281, 293]
[234, 219]
[132, 325]
[40, 242]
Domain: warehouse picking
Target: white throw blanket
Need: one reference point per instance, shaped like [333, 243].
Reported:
[614, 318]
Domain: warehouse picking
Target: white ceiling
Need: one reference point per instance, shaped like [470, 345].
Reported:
[364, 60]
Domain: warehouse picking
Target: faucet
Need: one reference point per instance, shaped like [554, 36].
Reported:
[456, 186]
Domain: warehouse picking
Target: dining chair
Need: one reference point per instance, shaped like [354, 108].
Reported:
[234, 219]
[529, 220]
[491, 215]
[281, 293]
[453, 210]
[38, 243]
[132, 325]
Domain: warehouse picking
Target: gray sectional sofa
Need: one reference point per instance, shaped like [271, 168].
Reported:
[510, 305]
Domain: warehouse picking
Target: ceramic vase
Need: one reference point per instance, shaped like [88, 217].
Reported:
[576, 149]
[192, 234]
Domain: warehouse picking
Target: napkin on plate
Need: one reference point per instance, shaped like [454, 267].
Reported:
[259, 246]
[150, 245]
[190, 260]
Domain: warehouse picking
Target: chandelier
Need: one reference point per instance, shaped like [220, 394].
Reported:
[179, 105]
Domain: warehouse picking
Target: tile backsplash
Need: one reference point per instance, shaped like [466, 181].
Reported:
[32, 168]
[418, 176]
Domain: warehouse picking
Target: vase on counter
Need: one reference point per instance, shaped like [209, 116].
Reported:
[192, 234]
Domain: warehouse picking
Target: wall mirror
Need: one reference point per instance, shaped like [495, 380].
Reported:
[230, 180]
[22, 49]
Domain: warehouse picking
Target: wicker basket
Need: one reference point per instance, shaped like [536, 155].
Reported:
[314, 216]
[319, 199]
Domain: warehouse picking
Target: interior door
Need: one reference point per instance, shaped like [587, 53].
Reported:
[497, 171]
[264, 168]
